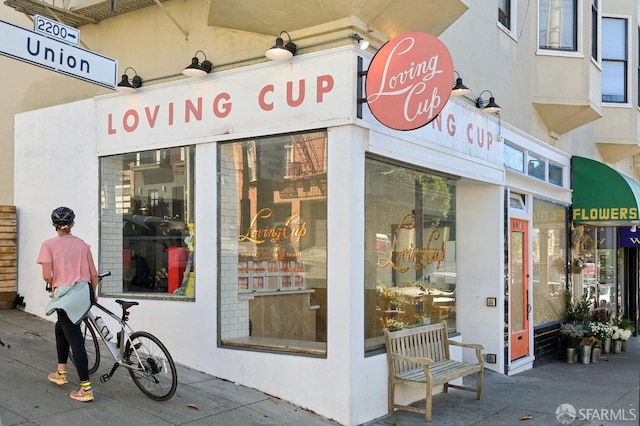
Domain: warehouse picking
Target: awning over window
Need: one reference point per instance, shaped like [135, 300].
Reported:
[603, 195]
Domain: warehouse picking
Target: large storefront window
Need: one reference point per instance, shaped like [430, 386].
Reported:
[594, 265]
[410, 250]
[273, 243]
[146, 222]
[549, 261]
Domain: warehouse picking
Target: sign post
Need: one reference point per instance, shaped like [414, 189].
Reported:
[31, 47]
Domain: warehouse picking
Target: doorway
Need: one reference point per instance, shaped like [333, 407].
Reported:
[519, 307]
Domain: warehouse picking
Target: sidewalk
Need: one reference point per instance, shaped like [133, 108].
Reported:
[598, 392]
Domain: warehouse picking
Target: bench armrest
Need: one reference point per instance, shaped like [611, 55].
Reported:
[417, 360]
[475, 346]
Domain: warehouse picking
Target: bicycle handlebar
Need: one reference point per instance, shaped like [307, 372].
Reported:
[100, 277]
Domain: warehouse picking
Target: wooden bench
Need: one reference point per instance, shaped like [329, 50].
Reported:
[421, 355]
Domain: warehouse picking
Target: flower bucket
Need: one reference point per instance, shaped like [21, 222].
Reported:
[606, 346]
[586, 354]
[571, 355]
[595, 354]
[617, 346]
[624, 345]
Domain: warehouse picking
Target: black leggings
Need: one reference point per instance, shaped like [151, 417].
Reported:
[69, 335]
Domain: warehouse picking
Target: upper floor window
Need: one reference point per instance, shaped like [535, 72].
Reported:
[504, 13]
[558, 25]
[614, 60]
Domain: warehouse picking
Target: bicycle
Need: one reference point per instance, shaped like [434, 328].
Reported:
[149, 362]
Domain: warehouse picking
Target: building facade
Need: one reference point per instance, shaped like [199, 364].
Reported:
[272, 223]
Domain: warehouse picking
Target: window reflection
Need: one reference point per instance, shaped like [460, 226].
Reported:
[410, 270]
[273, 243]
[147, 221]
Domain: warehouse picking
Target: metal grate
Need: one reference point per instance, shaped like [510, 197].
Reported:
[75, 17]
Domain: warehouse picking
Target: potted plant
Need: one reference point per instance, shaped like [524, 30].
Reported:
[572, 334]
[587, 345]
[577, 311]
[393, 324]
[625, 324]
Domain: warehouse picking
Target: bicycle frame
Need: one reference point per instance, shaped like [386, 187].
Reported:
[116, 349]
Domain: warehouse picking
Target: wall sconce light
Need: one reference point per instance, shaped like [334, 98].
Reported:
[489, 106]
[129, 86]
[281, 51]
[459, 89]
[197, 69]
[362, 43]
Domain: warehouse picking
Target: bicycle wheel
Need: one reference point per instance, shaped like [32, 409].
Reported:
[153, 370]
[91, 346]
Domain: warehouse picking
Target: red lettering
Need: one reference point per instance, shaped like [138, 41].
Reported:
[437, 122]
[469, 130]
[489, 140]
[301, 90]
[132, 113]
[480, 138]
[451, 124]
[222, 109]
[151, 118]
[325, 85]
[191, 109]
[170, 113]
[261, 97]
[111, 130]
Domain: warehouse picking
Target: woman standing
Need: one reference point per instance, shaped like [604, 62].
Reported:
[71, 274]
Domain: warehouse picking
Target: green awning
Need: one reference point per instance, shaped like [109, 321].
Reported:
[602, 194]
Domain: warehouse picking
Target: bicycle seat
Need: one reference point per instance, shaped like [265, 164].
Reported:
[126, 304]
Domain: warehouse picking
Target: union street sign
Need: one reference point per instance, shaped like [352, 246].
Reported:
[28, 46]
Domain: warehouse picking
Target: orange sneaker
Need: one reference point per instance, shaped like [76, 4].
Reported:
[82, 395]
[58, 379]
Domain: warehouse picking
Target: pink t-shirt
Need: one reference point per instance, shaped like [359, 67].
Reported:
[69, 256]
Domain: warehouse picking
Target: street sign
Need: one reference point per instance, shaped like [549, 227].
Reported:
[52, 29]
[29, 46]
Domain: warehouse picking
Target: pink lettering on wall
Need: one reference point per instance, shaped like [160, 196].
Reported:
[409, 81]
[291, 94]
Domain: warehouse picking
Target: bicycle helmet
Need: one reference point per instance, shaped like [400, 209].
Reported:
[62, 216]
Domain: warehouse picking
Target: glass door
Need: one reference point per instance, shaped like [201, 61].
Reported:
[519, 291]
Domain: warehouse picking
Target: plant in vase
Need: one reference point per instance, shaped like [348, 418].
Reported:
[625, 324]
[601, 331]
[600, 315]
[571, 333]
[619, 336]
[576, 311]
[393, 324]
[587, 345]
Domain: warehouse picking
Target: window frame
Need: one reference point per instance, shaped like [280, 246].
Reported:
[577, 31]
[266, 249]
[596, 23]
[123, 223]
[507, 17]
[626, 61]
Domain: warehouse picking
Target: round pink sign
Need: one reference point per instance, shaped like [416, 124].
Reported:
[409, 81]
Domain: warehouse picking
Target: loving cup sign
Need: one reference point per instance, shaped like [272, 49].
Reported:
[409, 81]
